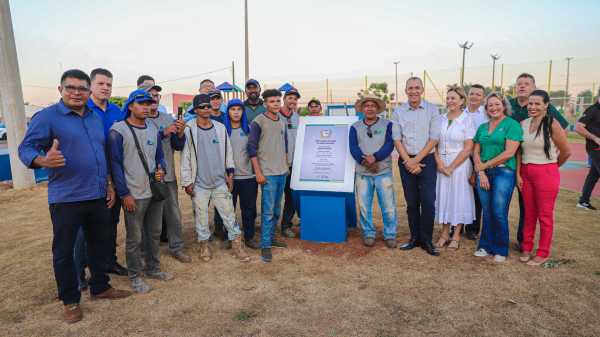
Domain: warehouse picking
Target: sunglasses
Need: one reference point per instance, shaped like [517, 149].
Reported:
[204, 106]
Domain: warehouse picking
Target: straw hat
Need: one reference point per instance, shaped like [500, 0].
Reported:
[370, 98]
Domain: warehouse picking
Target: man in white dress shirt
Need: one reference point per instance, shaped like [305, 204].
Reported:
[476, 111]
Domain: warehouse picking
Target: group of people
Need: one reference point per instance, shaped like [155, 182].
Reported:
[458, 169]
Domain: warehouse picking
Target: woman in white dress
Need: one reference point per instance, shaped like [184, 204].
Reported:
[454, 204]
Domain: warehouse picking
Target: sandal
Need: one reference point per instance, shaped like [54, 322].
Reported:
[537, 261]
[454, 244]
[525, 257]
[441, 242]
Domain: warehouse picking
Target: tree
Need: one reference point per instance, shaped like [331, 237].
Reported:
[185, 106]
[557, 97]
[118, 100]
[586, 95]
[379, 90]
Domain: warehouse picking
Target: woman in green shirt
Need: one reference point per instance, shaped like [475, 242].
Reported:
[496, 143]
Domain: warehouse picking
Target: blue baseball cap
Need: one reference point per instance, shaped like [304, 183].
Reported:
[140, 96]
[235, 102]
[252, 82]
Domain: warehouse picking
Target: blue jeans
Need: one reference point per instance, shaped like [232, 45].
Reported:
[495, 203]
[272, 192]
[383, 184]
[419, 192]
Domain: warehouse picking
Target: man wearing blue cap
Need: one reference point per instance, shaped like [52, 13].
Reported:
[253, 104]
[289, 112]
[68, 139]
[136, 159]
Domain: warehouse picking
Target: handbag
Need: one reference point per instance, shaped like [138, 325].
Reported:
[159, 189]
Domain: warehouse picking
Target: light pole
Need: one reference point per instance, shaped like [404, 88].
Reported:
[465, 46]
[396, 94]
[567, 84]
[247, 53]
[11, 98]
[495, 58]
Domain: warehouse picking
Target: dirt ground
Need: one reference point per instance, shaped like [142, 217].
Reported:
[314, 289]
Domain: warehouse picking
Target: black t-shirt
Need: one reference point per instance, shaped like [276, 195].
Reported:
[591, 119]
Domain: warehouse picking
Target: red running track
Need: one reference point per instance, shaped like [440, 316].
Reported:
[574, 171]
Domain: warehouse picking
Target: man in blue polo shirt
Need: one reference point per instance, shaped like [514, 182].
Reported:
[67, 139]
[101, 91]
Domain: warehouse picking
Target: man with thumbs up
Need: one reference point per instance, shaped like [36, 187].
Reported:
[68, 139]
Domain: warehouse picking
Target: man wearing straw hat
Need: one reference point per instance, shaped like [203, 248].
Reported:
[371, 145]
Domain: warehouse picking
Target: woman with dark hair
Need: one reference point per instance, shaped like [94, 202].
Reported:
[543, 150]
[245, 186]
[496, 143]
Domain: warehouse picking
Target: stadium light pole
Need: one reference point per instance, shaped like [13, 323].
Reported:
[495, 57]
[396, 95]
[567, 82]
[464, 46]
[11, 98]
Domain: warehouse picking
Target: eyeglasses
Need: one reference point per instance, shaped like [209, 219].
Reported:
[204, 106]
[73, 89]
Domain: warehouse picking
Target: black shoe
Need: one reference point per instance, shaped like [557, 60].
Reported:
[266, 255]
[118, 269]
[279, 244]
[409, 245]
[586, 205]
[470, 236]
[428, 247]
[250, 243]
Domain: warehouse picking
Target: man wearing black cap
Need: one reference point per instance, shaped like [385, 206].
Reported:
[253, 104]
[216, 114]
[290, 115]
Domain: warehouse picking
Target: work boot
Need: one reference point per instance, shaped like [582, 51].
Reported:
[239, 251]
[73, 313]
[205, 253]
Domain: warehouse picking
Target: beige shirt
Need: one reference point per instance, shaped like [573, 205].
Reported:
[532, 147]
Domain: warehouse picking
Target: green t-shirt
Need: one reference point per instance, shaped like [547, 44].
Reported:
[519, 113]
[494, 144]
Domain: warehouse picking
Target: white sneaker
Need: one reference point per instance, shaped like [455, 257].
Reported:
[481, 252]
[499, 258]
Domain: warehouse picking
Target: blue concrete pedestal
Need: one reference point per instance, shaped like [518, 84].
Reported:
[326, 216]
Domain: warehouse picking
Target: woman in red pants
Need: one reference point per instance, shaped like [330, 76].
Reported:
[543, 150]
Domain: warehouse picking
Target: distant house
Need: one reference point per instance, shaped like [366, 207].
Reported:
[173, 101]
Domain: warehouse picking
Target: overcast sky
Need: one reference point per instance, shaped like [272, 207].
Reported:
[289, 40]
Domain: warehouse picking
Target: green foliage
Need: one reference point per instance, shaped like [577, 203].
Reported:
[586, 95]
[118, 100]
[244, 315]
[379, 90]
[185, 105]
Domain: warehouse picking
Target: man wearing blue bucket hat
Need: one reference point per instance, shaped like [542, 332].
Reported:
[136, 159]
